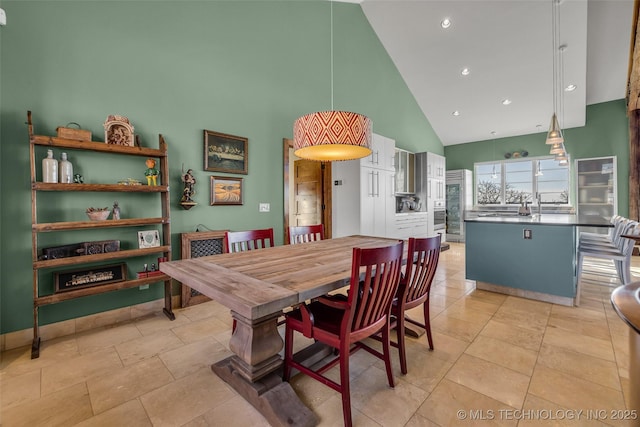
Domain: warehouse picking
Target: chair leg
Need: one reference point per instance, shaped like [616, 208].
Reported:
[579, 279]
[344, 386]
[400, 340]
[386, 350]
[427, 323]
[288, 354]
[625, 267]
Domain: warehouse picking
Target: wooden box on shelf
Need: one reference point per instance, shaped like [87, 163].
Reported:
[73, 133]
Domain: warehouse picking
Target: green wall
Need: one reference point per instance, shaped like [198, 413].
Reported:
[175, 68]
[605, 133]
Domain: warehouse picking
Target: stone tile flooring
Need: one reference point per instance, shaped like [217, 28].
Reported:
[498, 360]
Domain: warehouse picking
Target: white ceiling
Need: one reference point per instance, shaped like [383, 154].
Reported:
[507, 44]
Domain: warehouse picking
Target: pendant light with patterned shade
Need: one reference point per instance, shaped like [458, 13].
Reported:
[332, 135]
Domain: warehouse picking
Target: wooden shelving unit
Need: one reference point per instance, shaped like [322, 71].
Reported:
[47, 227]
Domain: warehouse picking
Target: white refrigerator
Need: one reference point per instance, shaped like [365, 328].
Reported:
[459, 199]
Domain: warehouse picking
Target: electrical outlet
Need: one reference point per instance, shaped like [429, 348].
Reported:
[526, 234]
[143, 287]
[264, 207]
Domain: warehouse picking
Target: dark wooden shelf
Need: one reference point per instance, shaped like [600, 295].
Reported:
[99, 289]
[81, 225]
[85, 259]
[52, 141]
[114, 188]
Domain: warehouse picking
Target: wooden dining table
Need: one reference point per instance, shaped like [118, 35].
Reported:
[257, 286]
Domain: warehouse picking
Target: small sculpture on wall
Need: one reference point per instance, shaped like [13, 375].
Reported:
[151, 173]
[189, 190]
[118, 131]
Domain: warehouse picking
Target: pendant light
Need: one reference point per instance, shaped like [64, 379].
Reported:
[332, 135]
[557, 148]
[561, 156]
[554, 136]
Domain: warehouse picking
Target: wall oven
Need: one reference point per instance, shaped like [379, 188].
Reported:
[439, 218]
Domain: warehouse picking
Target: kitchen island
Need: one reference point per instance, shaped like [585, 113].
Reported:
[527, 256]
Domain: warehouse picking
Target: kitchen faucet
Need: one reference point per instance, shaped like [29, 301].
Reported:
[538, 198]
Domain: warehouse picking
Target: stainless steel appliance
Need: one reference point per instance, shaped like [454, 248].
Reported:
[439, 218]
[459, 200]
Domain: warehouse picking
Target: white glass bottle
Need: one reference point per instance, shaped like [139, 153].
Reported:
[49, 168]
[66, 170]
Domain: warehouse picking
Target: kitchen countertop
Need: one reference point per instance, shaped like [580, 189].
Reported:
[545, 219]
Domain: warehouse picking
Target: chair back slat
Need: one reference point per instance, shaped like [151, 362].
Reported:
[240, 241]
[416, 283]
[626, 245]
[305, 233]
[370, 300]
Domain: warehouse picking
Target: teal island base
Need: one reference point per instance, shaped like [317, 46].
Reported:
[530, 257]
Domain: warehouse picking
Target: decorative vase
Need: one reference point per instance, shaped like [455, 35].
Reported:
[49, 168]
[66, 170]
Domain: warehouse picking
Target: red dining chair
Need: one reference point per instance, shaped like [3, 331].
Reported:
[343, 322]
[240, 241]
[305, 233]
[414, 289]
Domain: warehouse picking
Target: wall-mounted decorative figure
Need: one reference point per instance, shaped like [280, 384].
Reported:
[151, 173]
[118, 131]
[189, 190]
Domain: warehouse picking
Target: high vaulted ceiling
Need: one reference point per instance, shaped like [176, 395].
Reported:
[507, 46]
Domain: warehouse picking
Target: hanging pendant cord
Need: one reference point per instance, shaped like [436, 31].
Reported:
[554, 47]
[331, 38]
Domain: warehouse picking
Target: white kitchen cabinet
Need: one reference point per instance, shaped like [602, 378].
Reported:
[437, 189]
[376, 201]
[382, 153]
[363, 200]
[436, 166]
[405, 171]
[410, 225]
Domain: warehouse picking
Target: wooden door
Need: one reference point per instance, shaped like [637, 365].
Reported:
[307, 193]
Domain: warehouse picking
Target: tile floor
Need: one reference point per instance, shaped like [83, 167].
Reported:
[498, 360]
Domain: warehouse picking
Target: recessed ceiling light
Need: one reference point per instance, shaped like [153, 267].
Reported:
[493, 133]
[506, 101]
[456, 113]
[446, 23]
[465, 71]
[570, 88]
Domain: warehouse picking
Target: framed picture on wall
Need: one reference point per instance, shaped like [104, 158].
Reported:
[225, 153]
[226, 190]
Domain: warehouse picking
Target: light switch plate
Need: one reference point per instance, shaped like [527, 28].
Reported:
[264, 207]
[3, 17]
[526, 234]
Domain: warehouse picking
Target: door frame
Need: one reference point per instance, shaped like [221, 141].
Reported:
[289, 181]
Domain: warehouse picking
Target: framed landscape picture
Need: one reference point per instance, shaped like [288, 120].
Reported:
[226, 190]
[225, 153]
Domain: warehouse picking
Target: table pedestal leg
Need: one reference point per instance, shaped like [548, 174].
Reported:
[253, 372]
